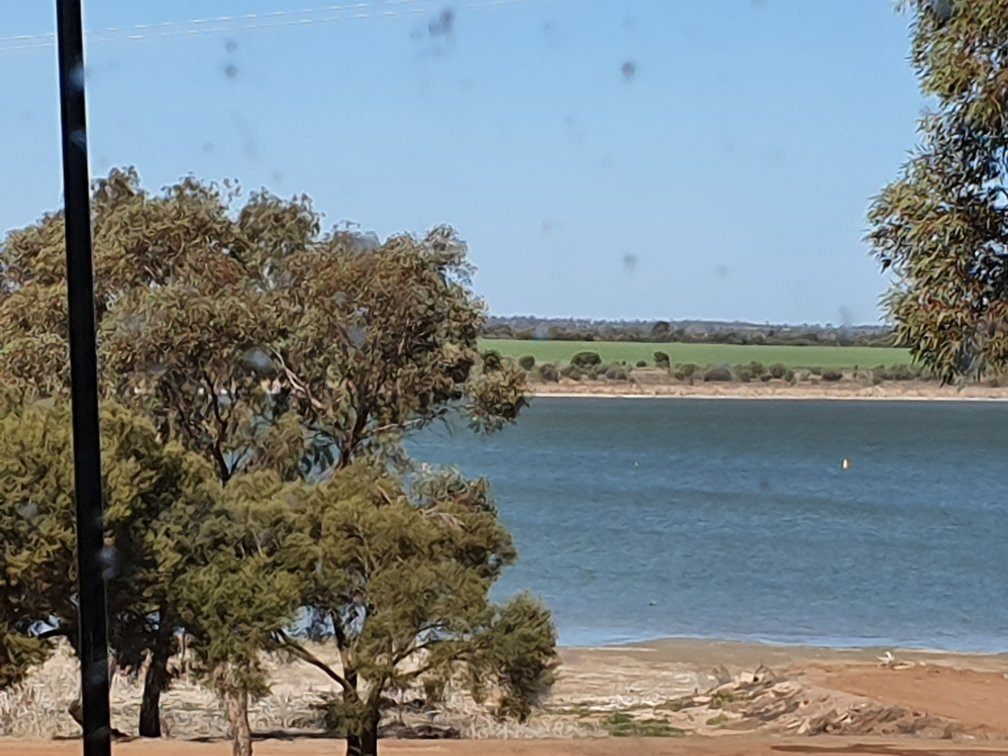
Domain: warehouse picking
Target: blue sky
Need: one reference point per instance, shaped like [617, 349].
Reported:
[723, 174]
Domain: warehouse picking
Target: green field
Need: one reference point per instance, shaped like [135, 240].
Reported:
[704, 354]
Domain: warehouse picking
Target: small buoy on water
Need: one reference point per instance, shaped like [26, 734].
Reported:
[845, 464]
[652, 603]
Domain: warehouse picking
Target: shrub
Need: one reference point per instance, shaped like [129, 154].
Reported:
[616, 373]
[902, 372]
[757, 369]
[815, 371]
[832, 375]
[492, 360]
[641, 363]
[548, 372]
[526, 362]
[722, 373]
[778, 371]
[661, 359]
[573, 372]
[744, 374]
[586, 359]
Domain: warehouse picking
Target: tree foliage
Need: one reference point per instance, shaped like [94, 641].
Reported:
[150, 489]
[405, 577]
[261, 375]
[252, 337]
[942, 226]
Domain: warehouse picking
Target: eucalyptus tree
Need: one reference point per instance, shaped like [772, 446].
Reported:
[941, 228]
[257, 341]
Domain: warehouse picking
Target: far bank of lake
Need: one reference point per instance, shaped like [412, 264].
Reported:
[888, 391]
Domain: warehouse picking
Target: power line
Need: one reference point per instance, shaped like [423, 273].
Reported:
[357, 11]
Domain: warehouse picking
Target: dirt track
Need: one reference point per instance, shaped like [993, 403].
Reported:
[733, 745]
[970, 690]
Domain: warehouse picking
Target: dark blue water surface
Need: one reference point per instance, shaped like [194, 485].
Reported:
[646, 518]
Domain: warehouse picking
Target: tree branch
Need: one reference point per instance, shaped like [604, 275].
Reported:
[305, 655]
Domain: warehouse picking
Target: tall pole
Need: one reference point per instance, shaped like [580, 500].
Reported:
[83, 383]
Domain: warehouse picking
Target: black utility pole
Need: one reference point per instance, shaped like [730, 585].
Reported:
[83, 383]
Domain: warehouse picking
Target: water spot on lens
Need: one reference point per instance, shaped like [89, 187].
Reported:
[629, 70]
[630, 263]
[258, 360]
[108, 558]
[231, 46]
[77, 76]
[230, 70]
[443, 25]
[357, 336]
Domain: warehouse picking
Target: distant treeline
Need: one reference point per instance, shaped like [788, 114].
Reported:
[685, 331]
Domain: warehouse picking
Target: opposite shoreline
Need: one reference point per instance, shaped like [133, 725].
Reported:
[920, 392]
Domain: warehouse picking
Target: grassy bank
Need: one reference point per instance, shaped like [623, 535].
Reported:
[838, 357]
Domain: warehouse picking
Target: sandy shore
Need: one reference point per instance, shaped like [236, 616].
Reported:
[914, 702]
[903, 391]
[734, 745]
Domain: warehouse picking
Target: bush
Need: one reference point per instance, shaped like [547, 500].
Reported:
[586, 359]
[832, 375]
[757, 369]
[902, 372]
[616, 373]
[573, 372]
[548, 372]
[722, 373]
[641, 363]
[526, 362]
[778, 371]
[492, 360]
[661, 359]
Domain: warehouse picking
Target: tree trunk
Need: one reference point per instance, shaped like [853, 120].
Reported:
[155, 682]
[237, 715]
[364, 742]
[353, 741]
[76, 707]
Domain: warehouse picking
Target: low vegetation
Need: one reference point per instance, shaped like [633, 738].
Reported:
[654, 353]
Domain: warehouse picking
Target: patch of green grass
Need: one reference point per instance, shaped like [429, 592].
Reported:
[718, 700]
[836, 357]
[621, 725]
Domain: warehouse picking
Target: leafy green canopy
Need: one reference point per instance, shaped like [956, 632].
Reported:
[942, 227]
[290, 364]
[152, 490]
[250, 336]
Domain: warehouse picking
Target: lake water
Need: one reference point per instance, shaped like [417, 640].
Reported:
[644, 518]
